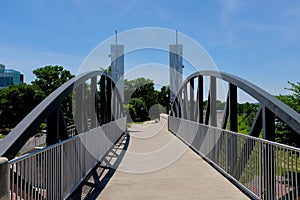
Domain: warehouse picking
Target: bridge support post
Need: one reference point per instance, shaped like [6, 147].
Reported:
[93, 103]
[213, 99]
[56, 127]
[80, 108]
[108, 100]
[200, 98]
[179, 104]
[4, 181]
[233, 126]
[102, 101]
[269, 178]
[113, 99]
[192, 110]
[185, 103]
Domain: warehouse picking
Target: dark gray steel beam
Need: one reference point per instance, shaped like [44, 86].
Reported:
[185, 102]
[102, 101]
[268, 118]
[108, 100]
[97, 102]
[207, 114]
[173, 109]
[113, 99]
[192, 103]
[249, 144]
[179, 101]
[213, 100]
[233, 126]
[118, 115]
[79, 108]
[268, 124]
[63, 134]
[257, 123]
[52, 129]
[177, 107]
[220, 141]
[226, 113]
[200, 98]
[93, 103]
[233, 123]
[84, 107]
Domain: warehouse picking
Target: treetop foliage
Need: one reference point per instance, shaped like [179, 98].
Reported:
[49, 78]
[284, 134]
[17, 101]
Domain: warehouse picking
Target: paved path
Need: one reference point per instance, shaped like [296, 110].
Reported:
[156, 165]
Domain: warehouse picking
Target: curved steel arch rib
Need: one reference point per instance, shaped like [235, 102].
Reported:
[230, 152]
[268, 103]
[10, 145]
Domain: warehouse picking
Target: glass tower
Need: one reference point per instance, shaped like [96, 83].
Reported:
[9, 77]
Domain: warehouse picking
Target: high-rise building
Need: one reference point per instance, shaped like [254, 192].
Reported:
[117, 67]
[9, 77]
[176, 65]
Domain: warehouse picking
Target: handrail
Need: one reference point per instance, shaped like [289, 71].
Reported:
[55, 171]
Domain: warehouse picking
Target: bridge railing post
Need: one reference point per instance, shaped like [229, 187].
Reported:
[4, 181]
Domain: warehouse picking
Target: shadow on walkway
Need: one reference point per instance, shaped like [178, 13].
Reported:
[99, 177]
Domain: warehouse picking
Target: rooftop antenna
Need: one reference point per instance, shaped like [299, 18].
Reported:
[176, 37]
[116, 32]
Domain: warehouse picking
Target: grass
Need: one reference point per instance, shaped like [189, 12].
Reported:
[2, 136]
[287, 162]
[291, 164]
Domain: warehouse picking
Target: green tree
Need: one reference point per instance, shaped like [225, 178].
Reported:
[142, 89]
[48, 79]
[130, 111]
[246, 115]
[283, 133]
[140, 109]
[164, 97]
[16, 102]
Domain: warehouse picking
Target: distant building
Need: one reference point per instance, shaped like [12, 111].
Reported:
[176, 68]
[117, 67]
[10, 77]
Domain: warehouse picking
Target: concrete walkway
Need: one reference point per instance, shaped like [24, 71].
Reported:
[151, 163]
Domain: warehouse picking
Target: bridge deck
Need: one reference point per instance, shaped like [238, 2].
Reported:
[156, 165]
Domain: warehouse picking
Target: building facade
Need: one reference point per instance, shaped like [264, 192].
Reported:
[9, 77]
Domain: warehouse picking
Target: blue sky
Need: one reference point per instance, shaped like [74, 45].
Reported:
[256, 40]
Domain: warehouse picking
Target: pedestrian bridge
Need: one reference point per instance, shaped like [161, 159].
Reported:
[187, 154]
[155, 165]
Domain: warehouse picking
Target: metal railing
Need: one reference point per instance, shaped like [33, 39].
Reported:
[55, 171]
[262, 169]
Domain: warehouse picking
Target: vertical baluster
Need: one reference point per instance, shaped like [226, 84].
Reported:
[288, 173]
[292, 174]
[296, 187]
